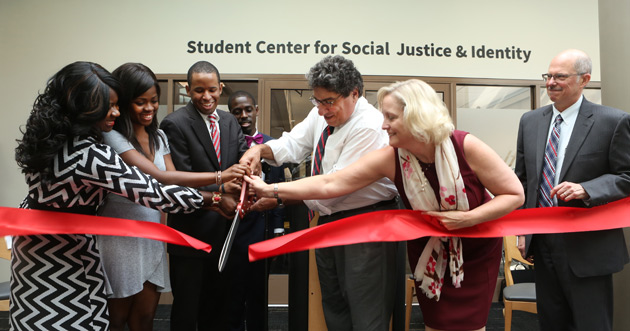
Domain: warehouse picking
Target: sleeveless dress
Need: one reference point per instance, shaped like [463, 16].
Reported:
[57, 280]
[467, 307]
[128, 262]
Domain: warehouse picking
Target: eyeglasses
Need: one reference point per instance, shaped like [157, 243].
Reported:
[559, 77]
[326, 103]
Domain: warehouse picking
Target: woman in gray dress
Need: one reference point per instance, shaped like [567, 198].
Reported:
[136, 268]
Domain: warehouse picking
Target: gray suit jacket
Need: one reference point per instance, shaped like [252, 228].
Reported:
[192, 150]
[598, 158]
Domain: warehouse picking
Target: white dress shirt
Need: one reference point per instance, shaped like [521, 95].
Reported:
[361, 134]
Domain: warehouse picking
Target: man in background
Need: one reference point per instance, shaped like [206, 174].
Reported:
[248, 295]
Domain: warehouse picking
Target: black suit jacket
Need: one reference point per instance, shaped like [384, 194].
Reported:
[192, 150]
[598, 158]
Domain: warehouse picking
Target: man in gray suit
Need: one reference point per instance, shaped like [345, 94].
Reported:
[587, 165]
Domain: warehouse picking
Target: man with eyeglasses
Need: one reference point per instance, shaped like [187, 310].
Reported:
[574, 153]
[357, 281]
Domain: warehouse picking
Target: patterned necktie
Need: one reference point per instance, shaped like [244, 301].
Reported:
[549, 166]
[214, 134]
[319, 152]
[318, 155]
[258, 139]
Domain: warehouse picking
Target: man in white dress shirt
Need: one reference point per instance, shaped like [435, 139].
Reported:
[357, 281]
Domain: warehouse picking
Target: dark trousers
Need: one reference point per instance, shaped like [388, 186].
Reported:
[199, 294]
[565, 301]
[358, 282]
[248, 285]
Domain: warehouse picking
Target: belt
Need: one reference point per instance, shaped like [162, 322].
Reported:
[360, 210]
[77, 209]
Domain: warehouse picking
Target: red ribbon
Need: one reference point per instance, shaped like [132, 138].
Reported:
[24, 222]
[401, 225]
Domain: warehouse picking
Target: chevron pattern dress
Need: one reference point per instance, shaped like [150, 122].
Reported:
[57, 280]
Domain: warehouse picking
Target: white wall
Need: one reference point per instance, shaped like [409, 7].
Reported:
[37, 38]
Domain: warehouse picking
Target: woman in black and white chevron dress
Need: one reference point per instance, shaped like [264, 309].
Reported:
[57, 280]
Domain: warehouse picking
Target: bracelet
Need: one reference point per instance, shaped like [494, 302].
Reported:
[216, 198]
[219, 177]
[222, 188]
[275, 191]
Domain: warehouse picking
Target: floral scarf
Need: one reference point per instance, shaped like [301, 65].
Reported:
[431, 265]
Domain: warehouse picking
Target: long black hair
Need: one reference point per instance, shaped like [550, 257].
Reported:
[75, 100]
[136, 78]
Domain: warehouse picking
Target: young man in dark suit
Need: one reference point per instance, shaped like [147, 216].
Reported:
[247, 288]
[202, 138]
[577, 154]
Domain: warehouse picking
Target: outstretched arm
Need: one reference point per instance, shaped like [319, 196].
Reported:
[368, 169]
[184, 178]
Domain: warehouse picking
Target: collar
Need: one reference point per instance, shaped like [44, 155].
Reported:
[570, 113]
[205, 117]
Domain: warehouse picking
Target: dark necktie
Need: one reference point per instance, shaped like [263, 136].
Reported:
[318, 155]
[257, 138]
[549, 165]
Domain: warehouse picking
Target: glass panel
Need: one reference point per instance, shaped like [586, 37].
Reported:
[371, 97]
[492, 114]
[288, 108]
[180, 97]
[162, 111]
[593, 95]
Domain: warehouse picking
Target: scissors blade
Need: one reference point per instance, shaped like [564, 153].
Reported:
[227, 246]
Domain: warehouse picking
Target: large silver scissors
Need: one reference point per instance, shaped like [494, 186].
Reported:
[242, 206]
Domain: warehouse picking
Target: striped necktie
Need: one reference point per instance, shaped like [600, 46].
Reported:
[214, 134]
[549, 165]
[318, 155]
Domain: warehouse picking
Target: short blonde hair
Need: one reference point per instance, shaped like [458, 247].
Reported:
[425, 114]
